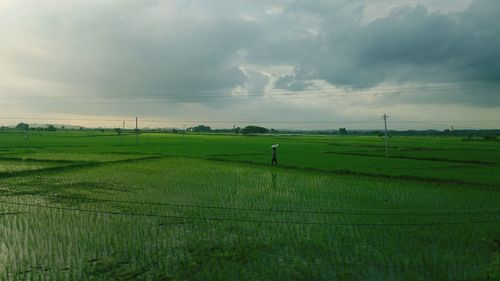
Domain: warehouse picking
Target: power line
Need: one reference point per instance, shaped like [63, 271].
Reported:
[235, 98]
[375, 212]
[265, 122]
[388, 87]
[444, 121]
[191, 121]
[371, 121]
[217, 219]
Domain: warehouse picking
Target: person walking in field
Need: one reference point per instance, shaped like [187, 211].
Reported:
[274, 161]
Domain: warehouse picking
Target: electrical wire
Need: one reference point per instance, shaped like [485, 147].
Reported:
[341, 211]
[235, 98]
[218, 219]
[366, 121]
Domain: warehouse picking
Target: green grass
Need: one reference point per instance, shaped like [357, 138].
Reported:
[212, 208]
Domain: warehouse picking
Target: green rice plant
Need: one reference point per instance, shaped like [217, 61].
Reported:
[186, 217]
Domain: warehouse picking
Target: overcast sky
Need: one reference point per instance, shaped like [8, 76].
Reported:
[292, 61]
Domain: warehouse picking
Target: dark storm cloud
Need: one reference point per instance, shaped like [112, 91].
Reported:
[410, 45]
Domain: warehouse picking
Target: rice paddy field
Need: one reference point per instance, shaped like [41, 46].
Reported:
[85, 205]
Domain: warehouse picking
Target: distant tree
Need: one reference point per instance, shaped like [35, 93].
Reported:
[174, 131]
[23, 126]
[343, 131]
[51, 128]
[201, 128]
[118, 131]
[254, 130]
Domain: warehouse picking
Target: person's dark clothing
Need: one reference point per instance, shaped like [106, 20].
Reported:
[274, 161]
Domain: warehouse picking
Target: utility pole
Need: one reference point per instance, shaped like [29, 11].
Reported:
[452, 129]
[123, 131]
[385, 116]
[136, 132]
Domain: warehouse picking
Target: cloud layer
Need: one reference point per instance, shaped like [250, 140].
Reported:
[410, 44]
[224, 55]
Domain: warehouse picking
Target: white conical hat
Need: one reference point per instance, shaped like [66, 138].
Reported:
[274, 145]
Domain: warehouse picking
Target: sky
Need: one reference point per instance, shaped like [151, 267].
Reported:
[426, 63]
